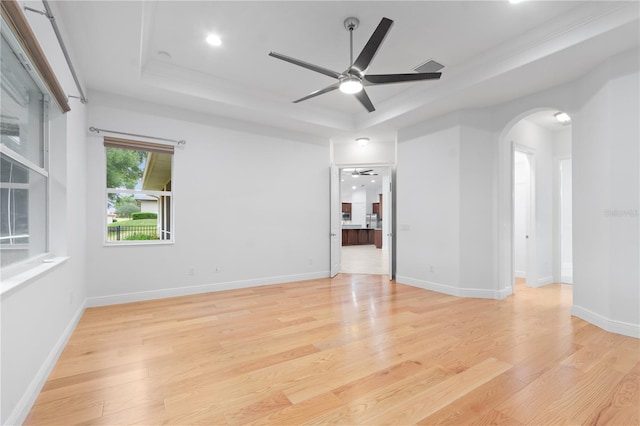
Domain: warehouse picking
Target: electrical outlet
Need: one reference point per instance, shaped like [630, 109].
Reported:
[431, 268]
[217, 269]
[70, 298]
[191, 271]
[310, 261]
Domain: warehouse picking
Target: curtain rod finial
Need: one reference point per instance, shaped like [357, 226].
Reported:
[94, 130]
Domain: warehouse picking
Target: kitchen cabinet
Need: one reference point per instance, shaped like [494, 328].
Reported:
[377, 238]
[358, 236]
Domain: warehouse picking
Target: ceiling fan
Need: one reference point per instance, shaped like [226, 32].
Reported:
[354, 78]
[357, 173]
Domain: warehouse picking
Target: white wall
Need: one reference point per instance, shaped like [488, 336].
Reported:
[606, 197]
[38, 316]
[435, 222]
[375, 152]
[428, 210]
[566, 222]
[250, 209]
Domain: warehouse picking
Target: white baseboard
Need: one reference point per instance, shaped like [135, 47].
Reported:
[520, 274]
[22, 408]
[613, 326]
[566, 279]
[544, 281]
[455, 291]
[198, 289]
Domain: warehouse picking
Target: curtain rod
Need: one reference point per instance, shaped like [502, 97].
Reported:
[56, 30]
[178, 142]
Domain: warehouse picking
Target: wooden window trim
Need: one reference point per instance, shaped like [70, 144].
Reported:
[17, 21]
[138, 145]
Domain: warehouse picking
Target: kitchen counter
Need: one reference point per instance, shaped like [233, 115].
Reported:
[352, 235]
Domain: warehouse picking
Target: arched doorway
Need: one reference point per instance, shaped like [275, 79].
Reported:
[535, 199]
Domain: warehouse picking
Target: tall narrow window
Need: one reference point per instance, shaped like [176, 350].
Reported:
[139, 191]
[23, 157]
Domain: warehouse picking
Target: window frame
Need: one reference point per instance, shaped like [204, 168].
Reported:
[140, 145]
[31, 67]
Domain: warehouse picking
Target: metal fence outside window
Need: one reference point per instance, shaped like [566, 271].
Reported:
[119, 233]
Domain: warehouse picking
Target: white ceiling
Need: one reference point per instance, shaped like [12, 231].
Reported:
[493, 51]
[366, 183]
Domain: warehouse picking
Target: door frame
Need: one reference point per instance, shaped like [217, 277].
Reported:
[391, 234]
[531, 243]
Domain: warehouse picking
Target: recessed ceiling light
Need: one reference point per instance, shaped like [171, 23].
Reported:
[362, 141]
[373, 181]
[353, 187]
[164, 54]
[214, 40]
[562, 117]
[515, 1]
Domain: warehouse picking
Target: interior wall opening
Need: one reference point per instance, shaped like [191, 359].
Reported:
[542, 192]
[365, 219]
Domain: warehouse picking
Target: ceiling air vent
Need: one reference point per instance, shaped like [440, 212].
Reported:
[429, 66]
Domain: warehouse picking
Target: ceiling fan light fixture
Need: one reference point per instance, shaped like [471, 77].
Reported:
[350, 85]
[362, 141]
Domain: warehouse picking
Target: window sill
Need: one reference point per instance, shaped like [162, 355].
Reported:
[22, 278]
[140, 243]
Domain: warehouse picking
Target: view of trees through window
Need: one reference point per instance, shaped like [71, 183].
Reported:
[138, 194]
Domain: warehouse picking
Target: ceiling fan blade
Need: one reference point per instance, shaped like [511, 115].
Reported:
[365, 171]
[306, 65]
[401, 78]
[334, 86]
[364, 100]
[371, 48]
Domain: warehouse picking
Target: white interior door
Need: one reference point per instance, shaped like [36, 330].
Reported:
[388, 211]
[336, 220]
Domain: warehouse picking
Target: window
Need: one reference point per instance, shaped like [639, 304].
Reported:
[23, 157]
[139, 192]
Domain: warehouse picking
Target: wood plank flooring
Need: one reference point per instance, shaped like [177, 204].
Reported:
[357, 349]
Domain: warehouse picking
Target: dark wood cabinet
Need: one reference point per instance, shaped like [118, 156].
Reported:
[377, 238]
[375, 208]
[357, 237]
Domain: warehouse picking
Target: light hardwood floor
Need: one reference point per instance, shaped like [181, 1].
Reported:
[357, 349]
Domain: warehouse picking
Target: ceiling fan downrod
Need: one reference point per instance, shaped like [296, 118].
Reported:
[351, 24]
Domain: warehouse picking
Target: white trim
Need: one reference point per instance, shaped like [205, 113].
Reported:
[542, 281]
[520, 274]
[198, 289]
[607, 324]
[138, 191]
[566, 279]
[36, 268]
[24, 160]
[24, 405]
[455, 291]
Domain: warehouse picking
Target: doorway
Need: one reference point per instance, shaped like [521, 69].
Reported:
[541, 239]
[523, 216]
[365, 200]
